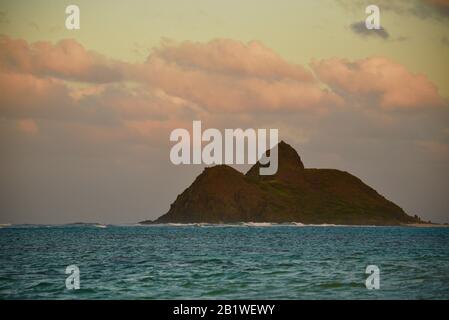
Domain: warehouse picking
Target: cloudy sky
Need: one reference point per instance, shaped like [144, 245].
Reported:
[85, 115]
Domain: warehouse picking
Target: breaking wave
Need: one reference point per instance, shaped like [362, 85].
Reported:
[248, 224]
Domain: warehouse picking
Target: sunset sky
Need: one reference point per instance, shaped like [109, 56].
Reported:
[85, 115]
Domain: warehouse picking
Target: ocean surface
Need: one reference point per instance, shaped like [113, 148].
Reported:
[245, 261]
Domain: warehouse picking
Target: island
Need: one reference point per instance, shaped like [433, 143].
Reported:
[221, 194]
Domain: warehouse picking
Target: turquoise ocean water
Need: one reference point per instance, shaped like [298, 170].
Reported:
[246, 261]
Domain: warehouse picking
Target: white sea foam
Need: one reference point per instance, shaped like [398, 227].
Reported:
[298, 224]
[259, 224]
[250, 224]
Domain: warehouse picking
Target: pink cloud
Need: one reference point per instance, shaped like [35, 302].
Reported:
[66, 59]
[235, 58]
[230, 76]
[218, 76]
[213, 81]
[393, 85]
[26, 94]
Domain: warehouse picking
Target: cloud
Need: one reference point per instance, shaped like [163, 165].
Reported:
[27, 95]
[231, 57]
[180, 82]
[360, 28]
[388, 83]
[190, 78]
[226, 75]
[218, 76]
[66, 59]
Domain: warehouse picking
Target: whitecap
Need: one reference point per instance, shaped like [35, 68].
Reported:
[259, 224]
[4, 225]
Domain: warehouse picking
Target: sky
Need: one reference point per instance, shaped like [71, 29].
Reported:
[85, 115]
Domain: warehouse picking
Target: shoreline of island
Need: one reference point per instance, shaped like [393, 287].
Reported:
[225, 224]
[287, 224]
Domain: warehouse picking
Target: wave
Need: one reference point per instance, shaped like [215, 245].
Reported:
[182, 224]
[259, 224]
[241, 224]
[298, 224]
[5, 225]
[252, 224]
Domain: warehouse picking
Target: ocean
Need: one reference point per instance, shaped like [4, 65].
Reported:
[243, 261]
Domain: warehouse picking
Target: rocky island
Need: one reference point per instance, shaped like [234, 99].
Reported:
[221, 194]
